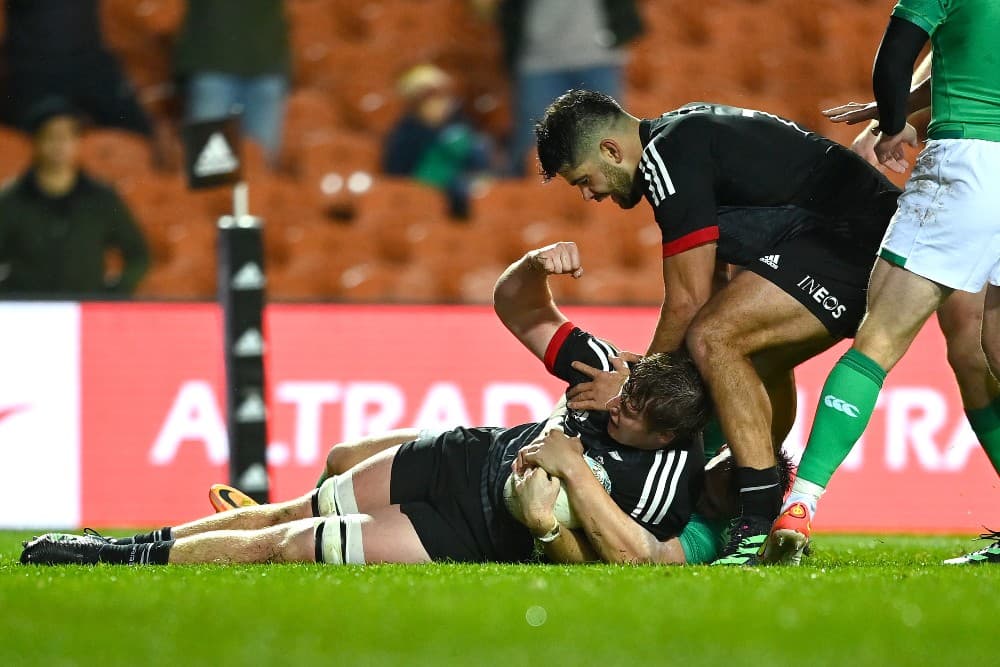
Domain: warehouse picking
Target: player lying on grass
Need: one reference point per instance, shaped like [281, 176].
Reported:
[441, 498]
[800, 213]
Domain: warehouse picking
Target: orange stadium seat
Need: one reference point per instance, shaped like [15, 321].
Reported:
[602, 287]
[476, 284]
[315, 256]
[15, 154]
[157, 17]
[326, 162]
[309, 118]
[401, 241]
[305, 276]
[115, 155]
[415, 283]
[645, 286]
[401, 197]
[184, 257]
[365, 281]
[314, 40]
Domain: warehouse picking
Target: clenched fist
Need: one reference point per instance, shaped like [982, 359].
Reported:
[558, 258]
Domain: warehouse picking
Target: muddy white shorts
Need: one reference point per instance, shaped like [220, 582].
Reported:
[947, 225]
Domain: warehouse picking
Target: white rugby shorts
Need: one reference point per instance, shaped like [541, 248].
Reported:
[947, 225]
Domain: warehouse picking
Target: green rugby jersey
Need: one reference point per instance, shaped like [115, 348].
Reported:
[965, 88]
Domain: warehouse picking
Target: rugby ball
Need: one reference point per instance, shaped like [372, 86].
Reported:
[563, 511]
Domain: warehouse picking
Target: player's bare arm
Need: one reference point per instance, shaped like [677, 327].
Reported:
[613, 534]
[523, 301]
[853, 113]
[919, 113]
[687, 281]
[536, 492]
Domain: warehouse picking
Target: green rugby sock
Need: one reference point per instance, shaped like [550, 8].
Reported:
[845, 407]
[712, 437]
[702, 539]
[985, 423]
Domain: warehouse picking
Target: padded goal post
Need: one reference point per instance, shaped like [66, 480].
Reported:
[213, 160]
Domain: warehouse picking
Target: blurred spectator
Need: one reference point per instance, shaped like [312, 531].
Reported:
[55, 47]
[233, 57]
[551, 46]
[433, 142]
[56, 223]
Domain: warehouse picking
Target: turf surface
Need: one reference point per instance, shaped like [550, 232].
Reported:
[859, 600]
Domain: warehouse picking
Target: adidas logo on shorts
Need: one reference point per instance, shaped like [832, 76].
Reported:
[771, 260]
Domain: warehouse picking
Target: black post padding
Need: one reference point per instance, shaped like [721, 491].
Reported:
[241, 295]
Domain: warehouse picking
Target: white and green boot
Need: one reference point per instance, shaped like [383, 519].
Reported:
[990, 554]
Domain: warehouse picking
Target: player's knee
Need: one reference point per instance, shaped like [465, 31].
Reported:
[295, 543]
[966, 358]
[335, 461]
[336, 497]
[337, 540]
[991, 347]
[707, 340]
[883, 347]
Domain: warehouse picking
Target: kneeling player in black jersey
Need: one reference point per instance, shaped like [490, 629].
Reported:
[801, 214]
[440, 497]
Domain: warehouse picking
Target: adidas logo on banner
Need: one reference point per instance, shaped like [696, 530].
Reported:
[252, 409]
[250, 344]
[771, 260]
[253, 478]
[216, 158]
[249, 277]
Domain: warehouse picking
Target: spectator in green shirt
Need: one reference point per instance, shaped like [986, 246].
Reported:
[56, 222]
[433, 142]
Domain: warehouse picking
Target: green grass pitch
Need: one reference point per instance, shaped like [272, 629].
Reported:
[859, 600]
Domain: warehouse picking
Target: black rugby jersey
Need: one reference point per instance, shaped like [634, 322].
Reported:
[747, 179]
[657, 488]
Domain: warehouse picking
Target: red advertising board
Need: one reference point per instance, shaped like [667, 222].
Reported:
[153, 432]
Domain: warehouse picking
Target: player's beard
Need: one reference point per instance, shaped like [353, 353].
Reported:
[619, 185]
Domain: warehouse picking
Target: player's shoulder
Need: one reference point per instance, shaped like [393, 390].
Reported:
[683, 133]
[675, 144]
[682, 122]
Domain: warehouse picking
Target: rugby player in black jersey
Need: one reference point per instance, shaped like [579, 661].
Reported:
[440, 497]
[801, 214]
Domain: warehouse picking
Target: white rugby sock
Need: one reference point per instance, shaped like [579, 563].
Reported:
[805, 492]
[336, 497]
[338, 540]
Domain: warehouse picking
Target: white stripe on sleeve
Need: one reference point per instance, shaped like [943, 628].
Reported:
[678, 471]
[661, 486]
[664, 174]
[650, 478]
[605, 364]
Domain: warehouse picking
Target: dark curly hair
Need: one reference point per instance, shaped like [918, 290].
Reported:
[668, 391]
[570, 126]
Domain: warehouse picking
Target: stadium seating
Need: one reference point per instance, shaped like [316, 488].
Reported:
[15, 153]
[336, 229]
